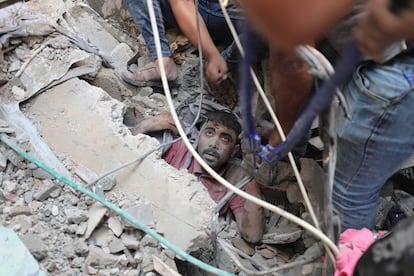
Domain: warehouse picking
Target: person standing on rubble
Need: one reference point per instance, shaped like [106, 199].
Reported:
[218, 145]
[181, 13]
[378, 136]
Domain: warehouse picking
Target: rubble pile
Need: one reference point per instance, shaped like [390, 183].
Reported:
[73, 60]
[69, 233]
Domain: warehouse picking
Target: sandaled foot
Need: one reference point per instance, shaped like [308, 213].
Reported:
[149, 75]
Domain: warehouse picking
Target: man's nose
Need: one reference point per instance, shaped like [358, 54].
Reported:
[214, 142]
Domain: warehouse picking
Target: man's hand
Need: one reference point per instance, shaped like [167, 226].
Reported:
[216, 69]
[379, 27]
[163, 121]
[184, 10]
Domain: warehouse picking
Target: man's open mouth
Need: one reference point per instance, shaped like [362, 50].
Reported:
[210, 155]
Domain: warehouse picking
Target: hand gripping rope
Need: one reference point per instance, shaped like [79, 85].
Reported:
[319, 102]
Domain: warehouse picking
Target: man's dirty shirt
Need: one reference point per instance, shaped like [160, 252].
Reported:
[176, 156]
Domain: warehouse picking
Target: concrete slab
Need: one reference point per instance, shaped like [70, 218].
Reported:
[84, 123]
[86, 24]
[115, 11]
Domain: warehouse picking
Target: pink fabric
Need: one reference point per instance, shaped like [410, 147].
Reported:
[352, 244]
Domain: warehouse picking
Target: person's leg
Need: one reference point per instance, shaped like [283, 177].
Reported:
[221, 34]
[215, 22]
[375, 141]
[140, 14]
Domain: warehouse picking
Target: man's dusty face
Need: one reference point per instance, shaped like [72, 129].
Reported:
[216, 144]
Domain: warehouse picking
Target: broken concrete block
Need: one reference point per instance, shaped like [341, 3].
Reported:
[34, 78]
[15, 258]
[147, 261]
[97, 258]
[3, 161]
[148, 240]
[68, 251]
[101, 237]
[47, 188]
[18, 93]
[85, 22]
[25, 223]
[130, 241]
[115, 224]
[75, 215]
[116, 246]
[35, 245]
[20, 210]
[9, 186]
[87, 175]
[130, 258]
[81, 229]
[138, 257]
[80, 247]
[181, 204]
[164, 268]
[142, 213]
[96, 212]
[120, 55]
[109, 81]
[42, 174]
[14, 158]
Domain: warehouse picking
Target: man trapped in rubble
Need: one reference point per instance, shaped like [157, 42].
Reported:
[217, 143]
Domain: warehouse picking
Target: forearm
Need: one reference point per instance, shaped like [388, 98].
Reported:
[184, 11]
[289, 23]
[251, 221]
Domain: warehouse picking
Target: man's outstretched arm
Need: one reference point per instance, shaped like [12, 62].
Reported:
[251, 220]
[162, 121]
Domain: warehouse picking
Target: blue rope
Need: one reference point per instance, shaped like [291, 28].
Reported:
[251, 140]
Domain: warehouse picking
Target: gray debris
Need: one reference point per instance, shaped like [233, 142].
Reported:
[48, 188]
[35, 245]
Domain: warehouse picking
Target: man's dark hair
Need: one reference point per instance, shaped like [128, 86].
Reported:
[225, 118]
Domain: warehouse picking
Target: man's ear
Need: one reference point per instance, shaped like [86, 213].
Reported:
[236, 151]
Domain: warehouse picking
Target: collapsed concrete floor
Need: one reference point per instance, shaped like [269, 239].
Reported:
[63, 102]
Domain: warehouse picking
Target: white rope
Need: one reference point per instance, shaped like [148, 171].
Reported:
[228, 185]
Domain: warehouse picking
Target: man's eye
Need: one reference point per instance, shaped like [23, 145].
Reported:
[226, 139]
[209, 133]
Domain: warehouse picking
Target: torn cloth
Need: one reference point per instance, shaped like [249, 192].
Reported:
[352, 244]
[18, 21]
